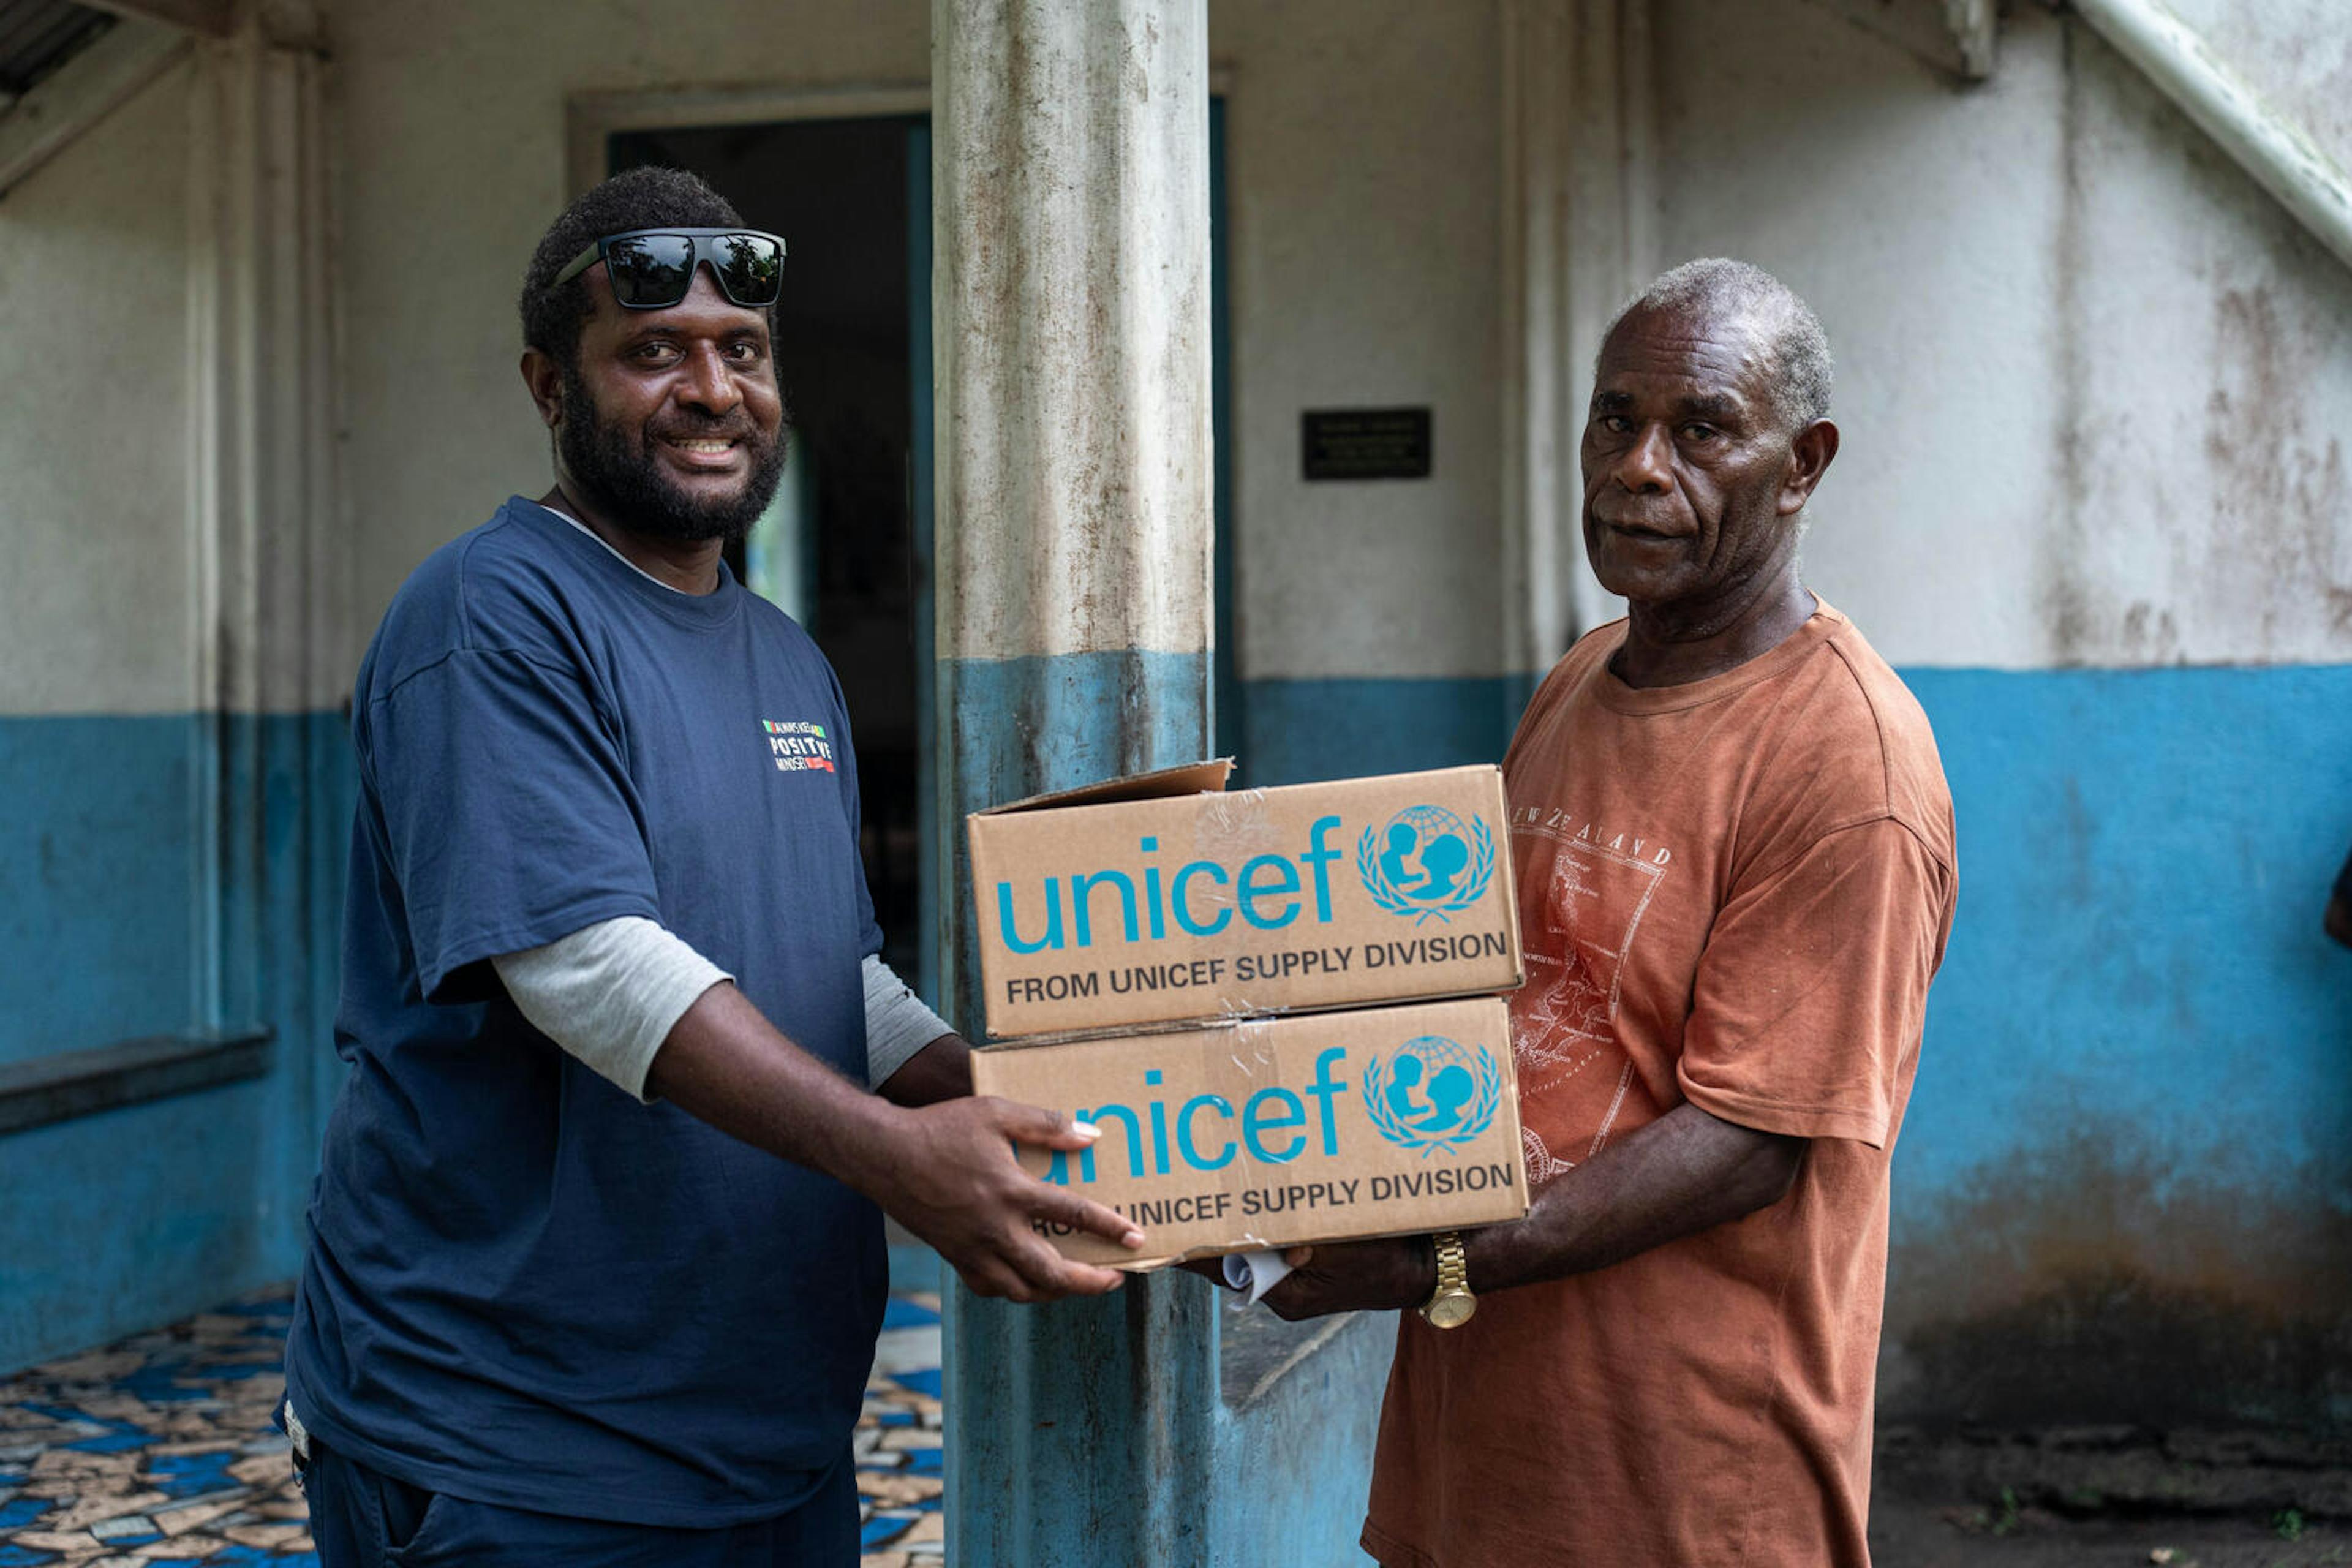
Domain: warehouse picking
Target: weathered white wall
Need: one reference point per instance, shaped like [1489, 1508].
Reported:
[2093, 382]
[93, 419]
[2296, 53]
[1364, 180]
[2093, 379]
[1362, 189]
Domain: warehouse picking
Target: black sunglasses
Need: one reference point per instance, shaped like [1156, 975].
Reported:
[653, 268]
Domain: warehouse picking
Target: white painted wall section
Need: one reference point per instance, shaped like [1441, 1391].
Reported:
[2296, 53]
[1362, 140]
[94, 328]
[1363, 146]
[2094, 382]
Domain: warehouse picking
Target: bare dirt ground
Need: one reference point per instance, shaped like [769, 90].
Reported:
[2110, 1496]
[1907, 1533]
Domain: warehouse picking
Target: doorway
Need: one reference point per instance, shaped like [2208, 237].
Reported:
[836, 549]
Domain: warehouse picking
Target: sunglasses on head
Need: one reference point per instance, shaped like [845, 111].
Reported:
[653, 268]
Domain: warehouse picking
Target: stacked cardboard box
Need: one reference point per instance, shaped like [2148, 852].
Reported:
[1278, 1004]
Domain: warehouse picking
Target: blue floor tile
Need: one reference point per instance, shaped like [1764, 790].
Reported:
[901, 1313]
[880, 1530]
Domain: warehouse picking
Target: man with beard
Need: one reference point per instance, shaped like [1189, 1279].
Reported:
[1734, 857]
[596, 1259]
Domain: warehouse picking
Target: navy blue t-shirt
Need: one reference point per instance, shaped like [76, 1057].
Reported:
[524, 1287]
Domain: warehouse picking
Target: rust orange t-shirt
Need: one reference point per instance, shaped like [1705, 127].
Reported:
[1733, 892]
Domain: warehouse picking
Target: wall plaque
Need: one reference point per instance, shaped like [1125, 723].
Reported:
[1365, 443]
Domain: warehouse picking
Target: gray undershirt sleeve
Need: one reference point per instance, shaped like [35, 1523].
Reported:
[610, 993]
[897, 1025]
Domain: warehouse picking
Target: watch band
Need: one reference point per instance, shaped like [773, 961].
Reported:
[1451, 1304]
[1453, 1263]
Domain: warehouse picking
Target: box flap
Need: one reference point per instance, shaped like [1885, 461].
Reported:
[1186, 778]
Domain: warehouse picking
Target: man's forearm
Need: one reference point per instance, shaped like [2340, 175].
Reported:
[725, 1063]
[1683, 1173]
[947, 1172]
[940, 1070]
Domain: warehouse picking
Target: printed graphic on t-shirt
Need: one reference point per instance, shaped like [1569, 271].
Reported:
[1601, 883]
[798, 746]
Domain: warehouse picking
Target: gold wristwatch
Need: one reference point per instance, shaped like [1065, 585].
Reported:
[1452, 1305]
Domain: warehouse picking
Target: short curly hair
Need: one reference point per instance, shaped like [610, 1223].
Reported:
[639, 198]
[1802, 371]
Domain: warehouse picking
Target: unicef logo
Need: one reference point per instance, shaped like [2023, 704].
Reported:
[1432, 1093]
[1425, 862]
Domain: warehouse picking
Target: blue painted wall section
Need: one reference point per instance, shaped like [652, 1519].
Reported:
[1300, 731]
[131, 1218]
[120, 1221]
[97, 879]
[2124, 1192]
[2143, 859]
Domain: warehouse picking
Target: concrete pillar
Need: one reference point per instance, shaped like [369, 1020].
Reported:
[270, 574]
[1071, 329]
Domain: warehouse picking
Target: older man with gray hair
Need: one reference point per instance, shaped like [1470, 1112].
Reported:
[1736, 874]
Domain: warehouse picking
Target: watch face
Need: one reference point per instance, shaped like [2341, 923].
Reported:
[1452, 1311]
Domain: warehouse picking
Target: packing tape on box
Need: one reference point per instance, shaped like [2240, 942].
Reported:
[1253, 1274]
[1237, 824]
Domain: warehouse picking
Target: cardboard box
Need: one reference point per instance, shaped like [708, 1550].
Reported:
[1159, 899]
[1275, 1131]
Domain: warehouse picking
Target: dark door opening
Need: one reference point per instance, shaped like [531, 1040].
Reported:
[836, 551]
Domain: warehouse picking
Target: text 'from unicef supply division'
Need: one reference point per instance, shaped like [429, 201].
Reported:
[1200, 905]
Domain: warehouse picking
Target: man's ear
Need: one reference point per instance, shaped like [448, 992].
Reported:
[544, 377]
[1810, 455]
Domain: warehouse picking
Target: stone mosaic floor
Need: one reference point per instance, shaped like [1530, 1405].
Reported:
[158, 1452]
[899, 1453]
